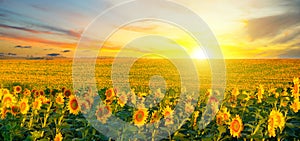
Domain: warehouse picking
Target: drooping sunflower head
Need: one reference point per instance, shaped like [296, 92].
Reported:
[58, 137]
[236, 126]
[295, 106]
[60, 99]
[271, 127]
[140, 117]
[73, 105]
[24, 107]
[17, 89]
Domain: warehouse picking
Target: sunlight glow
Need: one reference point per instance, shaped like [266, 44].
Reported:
[198, 54]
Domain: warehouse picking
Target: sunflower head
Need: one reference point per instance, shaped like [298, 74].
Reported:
[140, 116]
[279, 119]
[110, 93]
[27, 92]
[295, 106]
[67, 93]
[58, 137]
[60, 99]
[154, 117]
[3, 112]
[73, 105]
[8, 100]
[167, 112]
[271, 127]
[36, 104]
[103, 113]
[17, 89]
[24, 107]
[84, 106]
[235, 92]
[15, 110]
[122, 99]
[41, 93]
[236, 126]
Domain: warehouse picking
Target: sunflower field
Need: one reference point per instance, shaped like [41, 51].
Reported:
[57, 114]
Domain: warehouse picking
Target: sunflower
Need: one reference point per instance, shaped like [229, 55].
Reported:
[189, 108]
[222, 116]
[271, 126]
[295, 91]
[36, 104]
[59, 99]
[5, 91]
[24, 107]
[169, 120]
[219, 118]
[17, 89]
[295, 106]
[73, 105]
[3, 112]
[110, 93]
[154, 117]
[122, 100]
[236, 126]
[67, 93]
[42, 93]
[167, 112]
[84, 106]
[140, 116]
[14, 110]
[260, 93]
[43, 99]
[27, 92]
[279, 120]
[58, 137]
[8, 100]
[36, 93]
[103, 113]
[235, 92]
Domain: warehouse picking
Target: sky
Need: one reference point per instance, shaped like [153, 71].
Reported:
[246, 29]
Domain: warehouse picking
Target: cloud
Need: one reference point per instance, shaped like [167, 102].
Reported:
[291, 53]
[65, 51]
[11, 37]
[19, 46]
[53, 54]
[288, 36]
[272, 25]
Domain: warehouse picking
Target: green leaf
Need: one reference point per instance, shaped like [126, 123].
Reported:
[271, 100]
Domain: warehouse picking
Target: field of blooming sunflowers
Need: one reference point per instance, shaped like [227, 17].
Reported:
[57, 114]
[38, 102]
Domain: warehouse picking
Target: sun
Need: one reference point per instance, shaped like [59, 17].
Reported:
[198, 53]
